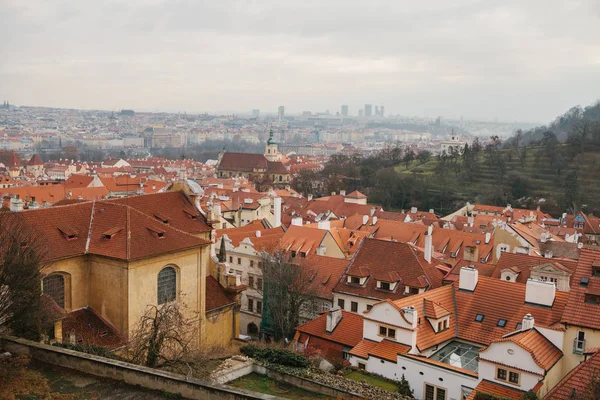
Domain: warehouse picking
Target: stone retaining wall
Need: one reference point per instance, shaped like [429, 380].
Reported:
[149, 378]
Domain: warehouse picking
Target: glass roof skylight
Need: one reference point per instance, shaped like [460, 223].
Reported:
[459, 355]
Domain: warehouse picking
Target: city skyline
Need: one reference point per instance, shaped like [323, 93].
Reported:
[421, 60]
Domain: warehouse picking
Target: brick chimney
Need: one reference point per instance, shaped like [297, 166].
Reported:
[334, 316]
[428, 250]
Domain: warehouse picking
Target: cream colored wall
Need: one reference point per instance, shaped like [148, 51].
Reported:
[219, 325]
[108, 291]
[552, 378]
[333, 250]
[77, 268]
[504, 236]
[571, 360]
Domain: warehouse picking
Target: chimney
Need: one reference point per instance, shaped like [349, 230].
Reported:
[297, 221]
[410, 313]
[548, 254]
[528, 322]
[545, 236]
[470, 221]
[372, 211]
[431, 211]
[413, 210]
[342, 192]
[333, 193]
[276, 212]
[16, 204]
[540, 292]
[488, 237]
[324, 225]
[374, 220]
[365, 219]
[580, 245]
[310, 197]
[334, 316]
[258, 233]
[428, 244]
[468, 279]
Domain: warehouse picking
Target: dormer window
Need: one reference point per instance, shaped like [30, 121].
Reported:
[592, 299]
[596, 268]
[384, 285]
[355, 280]
[443, 325]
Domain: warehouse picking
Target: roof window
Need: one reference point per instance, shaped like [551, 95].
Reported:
[519, 325]
[479, 318]
[585, 280]
[501, 323]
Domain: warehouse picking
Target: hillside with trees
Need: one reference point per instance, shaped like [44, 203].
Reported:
[556, 167]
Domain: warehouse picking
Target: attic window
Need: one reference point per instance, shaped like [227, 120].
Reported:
[190, 214]
[111, 232]
[355, 279]
[159, 234]
[585, 280]
[592, 299]
[501, 323]
[384, 285]
[519, 325]
[161, 218]
[68, 233]
[479, 318]
[596, 269]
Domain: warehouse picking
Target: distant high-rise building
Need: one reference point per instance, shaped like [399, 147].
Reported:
[377, 110]
[344, 111]
[368, 110]
[361, 112]
[281, 113]
[255, 113]
[382, 111]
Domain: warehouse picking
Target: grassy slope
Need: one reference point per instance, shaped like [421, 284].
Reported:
[543, 182]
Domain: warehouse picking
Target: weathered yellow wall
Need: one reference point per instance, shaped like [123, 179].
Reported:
[108, 291]
[552, 378]
[143, 278]
[77, 267]
[571, 360]
[219, 326]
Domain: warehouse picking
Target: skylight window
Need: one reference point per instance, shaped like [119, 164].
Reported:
[479, 318]
[585, 280]
[501, 323]
[519, 325]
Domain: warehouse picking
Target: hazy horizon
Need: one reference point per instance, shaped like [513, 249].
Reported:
[511, 61]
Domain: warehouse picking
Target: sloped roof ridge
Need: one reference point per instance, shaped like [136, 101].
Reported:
[518, 341]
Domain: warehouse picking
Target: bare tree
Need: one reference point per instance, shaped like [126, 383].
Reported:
[21, 255]
[288, 289]
[163, 336]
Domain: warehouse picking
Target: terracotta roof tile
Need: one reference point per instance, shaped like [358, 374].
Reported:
[497, 390]
[578, 382]
[525, 263]
[581, 313]
[216, 295]
[90, 328]
[348, 332]
[544, 353]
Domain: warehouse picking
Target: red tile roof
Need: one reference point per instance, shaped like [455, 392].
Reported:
[326, 273]
[497, 390]
[577, 384]
[544, 353]
[242, 162]
[90, 328]
[35, 160]
[389, 261]
[581, 313]
[386, 349]
[465, 306]
[348, 332]
[139, 234]
[216, 295]
[525, 263]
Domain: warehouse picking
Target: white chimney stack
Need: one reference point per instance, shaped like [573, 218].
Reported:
[342, 192]
[365, 219]
[258, 234]
[324, 225]
[297, 221]
[16, 204]
[334, 316]
[276, 212]
[469, 276]
[540, 292]
[528, 322]
[410, 313]
[374, 221]
[428, 250]
[488, 237]
[413, 210]
[310, 197]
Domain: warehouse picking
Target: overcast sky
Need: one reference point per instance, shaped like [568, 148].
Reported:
[512, 59]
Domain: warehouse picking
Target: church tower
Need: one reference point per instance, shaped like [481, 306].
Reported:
[271, 152]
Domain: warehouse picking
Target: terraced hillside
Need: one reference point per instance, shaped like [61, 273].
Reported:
[541, 180]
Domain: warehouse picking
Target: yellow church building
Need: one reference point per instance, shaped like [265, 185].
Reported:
[106, 261]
